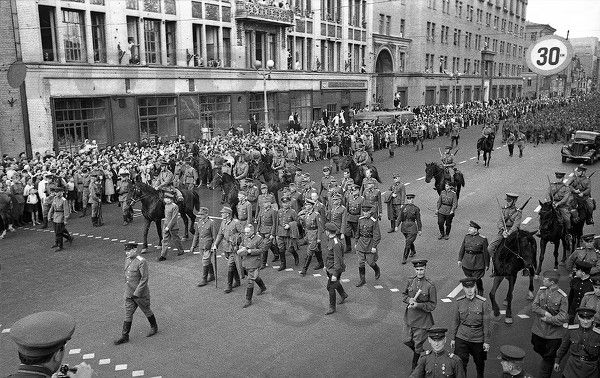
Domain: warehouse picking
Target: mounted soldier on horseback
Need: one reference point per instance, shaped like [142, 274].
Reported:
[581, 189]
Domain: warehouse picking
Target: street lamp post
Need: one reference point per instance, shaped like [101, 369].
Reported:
[266, 74]
[455, 76]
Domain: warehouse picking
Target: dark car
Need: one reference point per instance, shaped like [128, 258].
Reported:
[584, 146]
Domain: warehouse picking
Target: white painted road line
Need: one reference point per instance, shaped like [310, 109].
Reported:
[408, 183]
[462, 162]
[503, 312]
[523, 316]
[137, 373]
[75, 351]
[6, 330]
[498, 147]
[537, 209]
[526, 220]
[275, 266]
[345, 280]
[473, 158]
[446, 300]
[88, 356]
[289, 270]
[378, 287]
[456, 290]
[120, 367]
[98, 237]
[421, 178]
[113, 240]
[316, 275]
[394, 290]
[104, 361]
[76, 234]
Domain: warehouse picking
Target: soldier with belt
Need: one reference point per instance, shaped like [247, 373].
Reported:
[549, 310]
[263, 197]
[267, 228]
[582, 344]
[244, 209]
[446, 206]
[580, 285]
[410, 226]
[334, 266]
[471, 330]
[171, 227]
[228, 238]
[367, 240]
[190, 175]
[204, 238]
[96, 201]
[420, 295]
[473, 257]
[508, 224]
[581, 187]
[251, 249]
[252, 193]
[59, 213]
[325, 182]
[369, 180]
[372, 197]
[592, 299]
[313, 229]
[395, 202]
[438, 362]
[137, 292]
[448, 161]
[511, 358]
[560, 195]
[287, 233]
[346, 180]
[338, 215]
[86, 180]
[587, 252]
[123, 187]
[353, 203]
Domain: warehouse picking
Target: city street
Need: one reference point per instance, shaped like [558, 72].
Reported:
[204, 332]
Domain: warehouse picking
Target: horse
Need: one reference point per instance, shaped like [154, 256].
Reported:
[515, 253]
[358, 174]
[551, 230]
[264, 172]
[153, 208]
[487, 146]
[229, 189]
[8, 213]
[437, 172]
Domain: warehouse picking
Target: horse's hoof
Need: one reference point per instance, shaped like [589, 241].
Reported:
[530, 295]
[144, 250]
[508, 320]
[504, 303]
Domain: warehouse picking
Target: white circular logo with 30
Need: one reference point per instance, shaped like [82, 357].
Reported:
[549, 55]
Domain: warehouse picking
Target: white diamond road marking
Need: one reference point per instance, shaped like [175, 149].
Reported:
[421, 178]
[446, 300]
[120, 367]
[526, 220]
[104, 361]
[137, 373]
[88, 356]
[394, 290]
[378, 287]
[6, 330]
[523, 316]
[75, 351]
[456, 290]
[537, 209]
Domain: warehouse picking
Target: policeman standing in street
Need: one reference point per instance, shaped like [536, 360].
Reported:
[395, 202]
[137, 292]
[410, 226]
[438, 362]
[581, 344]
[511, 358]
[251, 249]
[59, 213]
[549, 310]
[228, 238]
[420, 296]
[204, 238]
[446, 206]
[334, 266]
[471, 330]
[369, 236]
[473, 257]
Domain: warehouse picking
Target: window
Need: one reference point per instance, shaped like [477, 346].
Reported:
[479, 16]
[496, 22]
[443, 63]
[431, 31]
[402, 27]
[431, 4]
[503, 28]
[197, 45]
[476, 66]
[133, 40]
[444, 34]
[429, 63]
[300, 102]
[401, 62]
[388, 24]
[132, 4]
[256, 106]
[488, 19]
[98, 37]
[381, 24]
[48, 33]
[213, 59]
[74, 38]
[170, 28]
[470, 13]
[226, 47]
[152, 43]
[158, 116]
[457, 33]
[459, 6]
[494, 45]
[215, 111]
[78, 119]
[446, 6]
[331, 110]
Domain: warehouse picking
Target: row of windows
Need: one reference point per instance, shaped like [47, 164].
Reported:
[385, 22]
[499, 69]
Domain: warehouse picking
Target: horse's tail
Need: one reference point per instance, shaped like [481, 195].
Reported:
[196, 200]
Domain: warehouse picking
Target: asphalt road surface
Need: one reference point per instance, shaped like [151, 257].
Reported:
[204, 332]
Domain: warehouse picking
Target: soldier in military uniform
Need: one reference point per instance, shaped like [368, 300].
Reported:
[353, 203]
[244, 209]
[448, 162]
[361, 157]
[59, 213]
[267, 228]
[190, 175]
[438, 362]
[549, 310]
[396, 201]
[420, 296]
[137, 292]
[338, 215]
[123, 187]
[263, 197]
[240, 170]
[86, 180]
[560, 195]
[96, 201]
[324, 185]
[251, 249]
[582, 345]
[581, 186]
[369, 182]
[204, 238]
[46, 193]
[312, 223]
[287, 233]
[580, 285]
[229, 237]
[587, 252]
[446, 206]
[372, 196]
[511, 358]
[252, 193]
[171, 227]
[473, 257]
[471, 329]
[165, 177]
[334, 266]
[41, 339]
[346, 180]
[410, 226]
[367, 240]
[591, 299]
[508, 224]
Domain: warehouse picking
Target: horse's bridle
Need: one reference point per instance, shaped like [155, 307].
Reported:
[133, 200]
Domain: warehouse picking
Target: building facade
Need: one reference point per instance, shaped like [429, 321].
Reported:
[586, 76]
[536, 86]
[123, 70]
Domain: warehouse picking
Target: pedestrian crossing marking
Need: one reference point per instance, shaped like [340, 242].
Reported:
[446, 300]
[104, 361]
[345, 280]
[523, 316]
[378, 287]
[456, 290]
[503, 312]
[537, 209]
[137, 373]
[75, 351]
[394, 290]
[316, 275]
[421, 178]
[6, 330]
[526, 220]
[121, 367]
[88, 356]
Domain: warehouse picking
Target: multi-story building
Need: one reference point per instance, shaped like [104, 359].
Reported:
[124, 70]
[536, 85]
[442, 63]
[587, 53]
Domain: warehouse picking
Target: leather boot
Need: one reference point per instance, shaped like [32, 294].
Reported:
[125, 334]
[306, 264]
[236, 278]
[44, 223]
[392, 227]
[203, 282]
[248, 302]
[343, 296]
[331, 301]
[319, 257]
[282, 260]
[84, 212]
[228, 289]
[261, 286]
[377, 271]
[95, 221]
[153, 326]
[296, 257]
[211, 273]
[405, 255]
[276, 254]
[361, 273]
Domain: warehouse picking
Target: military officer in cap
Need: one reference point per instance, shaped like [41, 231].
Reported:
[346, 180]
[508, 223]
[396, 201]
[165, 177]
[471, 329]
[41, 339]
[59, 213]
[438, 362]
[361, 157]
[372, 196]
[250, 250]
[587, 252]
[334, 266]
[581, 344]
[473, 256]
[313, 228]
[338, 215]
[580, 285]
[263, 197]
[123, 187]
[560, 195]
[252, 193]
[325, 183]
[367, 240]
[287, 233]
[369, 180]
[448, 160]
[591, 299]
[204, 238]
[171, 227]
[420, 296]
[446, 206]
[511, 358]
[549, 310]
[190, 174]
[244, 209]
[228, 238]
[137, 292]
[410, 226]
[581, 187]
[96, 201]
[267, 228]
[353, 202]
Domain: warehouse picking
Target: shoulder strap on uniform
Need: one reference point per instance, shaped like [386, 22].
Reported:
[335, 240]
[563, 293]
[427, 352]
[373, 219]
[480, 297]
[571, 326]
[459, 298]
[139, 258]
[597, 330]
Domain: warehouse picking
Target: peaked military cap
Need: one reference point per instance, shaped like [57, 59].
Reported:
[552, 275]
[42, 333]
[585, 313]
[437, 333]
[468, 281]
[511, 353]
[419, 263]
[474, 225]
[588, 237]
[129, 246]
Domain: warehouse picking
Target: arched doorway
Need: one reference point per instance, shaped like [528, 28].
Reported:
[384, 83]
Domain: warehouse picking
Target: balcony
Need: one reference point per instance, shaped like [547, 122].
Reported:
[263, 12]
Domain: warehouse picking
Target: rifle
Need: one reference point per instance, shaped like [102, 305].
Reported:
[501, 213]
[590, 176]
[455, 152]
[550, 191]
[525, 204]
[440, 151]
